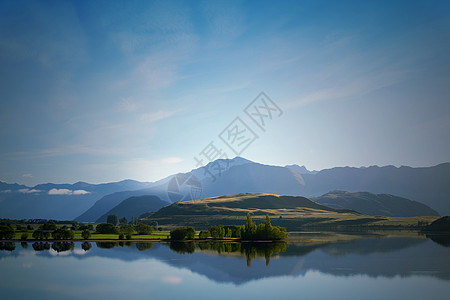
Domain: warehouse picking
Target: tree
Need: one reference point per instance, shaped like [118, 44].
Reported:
[217, 232]
[263, 231]
[86, 234]
[24, 236]
[235, 230]
[63, 234]
[134, 220]
[75, 225]
[106, 228]
[40, 234]
[154, 224]
[86, 227]
[268, 224]
[144, 229]
[250, 228]
[203, 235]
[123, 221]
[182, 233]
[50, 225]
[127, 229]
[6, 232]
[112, 219]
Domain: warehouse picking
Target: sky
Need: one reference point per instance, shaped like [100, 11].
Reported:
[102, 91]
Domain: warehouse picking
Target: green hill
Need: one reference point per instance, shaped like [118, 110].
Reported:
[375, 204]
[291, 212]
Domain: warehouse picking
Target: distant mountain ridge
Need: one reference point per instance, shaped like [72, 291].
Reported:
[57, 201]
[428, 185]
[301, 169]
[244, 176]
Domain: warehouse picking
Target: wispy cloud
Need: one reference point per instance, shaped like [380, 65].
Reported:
[67, 192]
[156, 116]
[28, 175]
[172, 160]
[354, 86]
[29, 191]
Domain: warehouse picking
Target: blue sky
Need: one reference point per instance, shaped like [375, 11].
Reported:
[101, 91]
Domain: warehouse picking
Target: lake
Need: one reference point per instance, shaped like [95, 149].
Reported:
[347, 266]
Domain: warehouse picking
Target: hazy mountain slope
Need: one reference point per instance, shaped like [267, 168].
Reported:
[202, 172]
[135, 206]
[300, 169]
[108, 202]
[102, 188]
[56, 201]
[242, 176]
[10, 187]
[375, 204]
[426, 185]
[254, 178]
[35, 206]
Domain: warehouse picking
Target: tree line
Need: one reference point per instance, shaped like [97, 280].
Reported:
[250, 231]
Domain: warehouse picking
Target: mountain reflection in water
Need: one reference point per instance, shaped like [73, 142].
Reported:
[242, 262]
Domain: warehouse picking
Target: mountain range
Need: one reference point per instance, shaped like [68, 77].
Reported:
[375, 204]
[57, 201]
[88, 202]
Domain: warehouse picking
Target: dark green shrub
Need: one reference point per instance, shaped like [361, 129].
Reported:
[144, 229]
[86, 234]
[182, 233]
[106, 228]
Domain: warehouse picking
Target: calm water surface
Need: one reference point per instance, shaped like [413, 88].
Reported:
[360, 268]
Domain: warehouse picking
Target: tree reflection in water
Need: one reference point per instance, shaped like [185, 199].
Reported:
[86, 246]
[63, 246]
[183, 247]
[248, 250]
